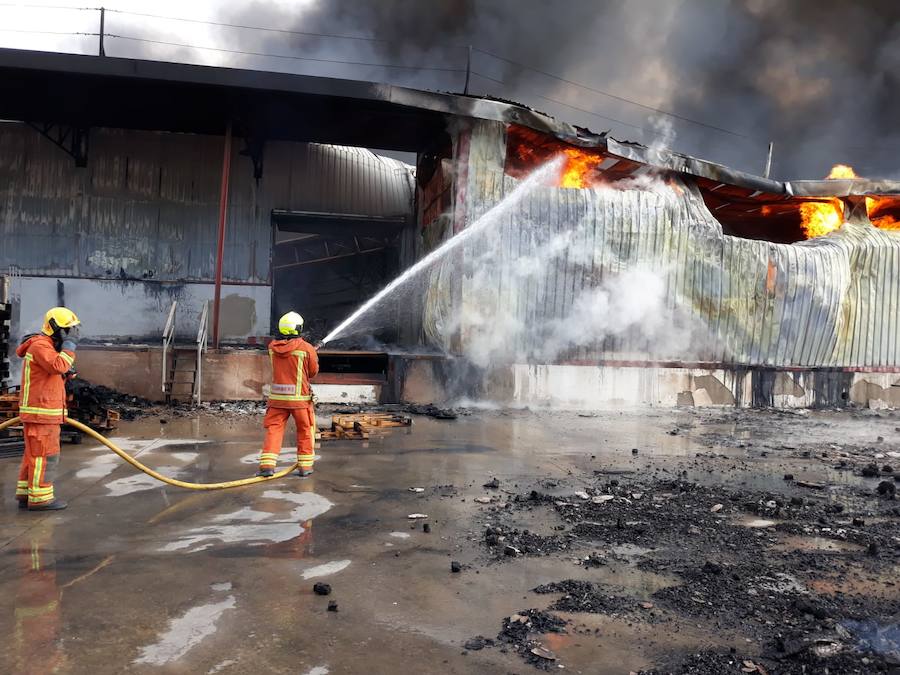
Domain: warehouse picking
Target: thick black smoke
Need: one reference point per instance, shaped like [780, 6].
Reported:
[820, 78]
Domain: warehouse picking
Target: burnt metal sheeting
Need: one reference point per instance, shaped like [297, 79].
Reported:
[829, 302]
[146, 205]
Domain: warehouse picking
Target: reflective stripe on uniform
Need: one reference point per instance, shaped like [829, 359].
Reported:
[68, 359]
[54, 412]
[36, 493]
[268, 459]
[38, 474]
[26, 389]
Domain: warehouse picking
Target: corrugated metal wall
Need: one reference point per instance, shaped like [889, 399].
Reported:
[147, 203]
[828, 302]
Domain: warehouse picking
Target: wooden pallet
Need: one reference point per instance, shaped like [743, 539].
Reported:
[363, 426]
[102, 420]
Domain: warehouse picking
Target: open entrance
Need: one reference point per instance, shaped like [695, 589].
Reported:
[324, 265]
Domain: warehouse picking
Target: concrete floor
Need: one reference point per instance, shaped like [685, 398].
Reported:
[139, 577]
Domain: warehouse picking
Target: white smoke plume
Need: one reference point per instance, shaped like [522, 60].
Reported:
[627, 299]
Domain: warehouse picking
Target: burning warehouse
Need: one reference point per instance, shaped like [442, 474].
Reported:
[667, 278]
[320, 375]
[635, 274]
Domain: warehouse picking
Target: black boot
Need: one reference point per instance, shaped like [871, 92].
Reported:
[55, 505]
[265, 473]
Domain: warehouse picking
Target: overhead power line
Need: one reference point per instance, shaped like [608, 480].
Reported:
[289, 57]
[44, 32]
[225, 24]
[18, 5]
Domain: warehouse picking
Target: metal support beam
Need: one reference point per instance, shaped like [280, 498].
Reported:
[70, 139]
[220, 250]
[102, 51]
[768, 169]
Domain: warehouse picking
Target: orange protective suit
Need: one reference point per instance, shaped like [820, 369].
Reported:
[294, 363]
[42, 407]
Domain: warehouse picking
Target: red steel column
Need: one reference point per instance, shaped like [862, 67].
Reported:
[220, 250]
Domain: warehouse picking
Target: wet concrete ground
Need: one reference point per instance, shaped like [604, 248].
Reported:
[140, 577]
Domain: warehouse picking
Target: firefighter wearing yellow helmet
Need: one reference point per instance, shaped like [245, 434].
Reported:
[294, 363]
[49, 357]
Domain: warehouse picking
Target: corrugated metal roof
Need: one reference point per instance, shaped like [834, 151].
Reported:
[146, 206]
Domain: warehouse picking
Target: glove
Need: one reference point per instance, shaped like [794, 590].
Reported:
[69, 345]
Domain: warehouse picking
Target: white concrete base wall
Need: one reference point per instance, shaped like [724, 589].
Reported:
[347, 393]
[596, 387]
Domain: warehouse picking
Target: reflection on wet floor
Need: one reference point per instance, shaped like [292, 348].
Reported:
[143, 577]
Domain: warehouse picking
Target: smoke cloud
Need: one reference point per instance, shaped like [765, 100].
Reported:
[507, 312]
[817, 77]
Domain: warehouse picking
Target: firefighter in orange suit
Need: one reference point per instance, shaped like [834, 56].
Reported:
[49, 357]
[294, 363]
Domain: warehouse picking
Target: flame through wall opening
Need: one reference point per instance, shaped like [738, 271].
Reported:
[748, 214]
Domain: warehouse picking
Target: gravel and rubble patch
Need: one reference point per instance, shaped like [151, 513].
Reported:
[722, 545]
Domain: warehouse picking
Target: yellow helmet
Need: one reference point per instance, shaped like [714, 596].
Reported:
[59, 317]
[290, 324]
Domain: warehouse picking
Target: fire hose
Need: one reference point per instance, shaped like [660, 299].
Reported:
[158, 476]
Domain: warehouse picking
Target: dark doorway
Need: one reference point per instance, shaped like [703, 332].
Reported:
[324, 265]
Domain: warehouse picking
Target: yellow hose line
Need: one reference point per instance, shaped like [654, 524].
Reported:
[158, 476]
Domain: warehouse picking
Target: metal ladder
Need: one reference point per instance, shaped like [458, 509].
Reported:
[182, 365]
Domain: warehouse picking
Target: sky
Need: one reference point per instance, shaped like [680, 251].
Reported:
[717, 79]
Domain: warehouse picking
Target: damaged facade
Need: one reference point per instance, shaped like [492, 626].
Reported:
[751, 321]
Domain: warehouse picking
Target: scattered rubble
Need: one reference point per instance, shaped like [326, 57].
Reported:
[431, 410]
[520, 632]
[723, 547]
[93, 400]
[322, 589]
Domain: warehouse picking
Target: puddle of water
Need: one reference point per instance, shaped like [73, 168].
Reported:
[326, 569]
[630, 550]
[400, 535]
[105, 461]
[139, 482]
[185, 633]
[798, 543]
[318, 670]
[756, 523]
[224, 586]
[603, 645]
[859, 583]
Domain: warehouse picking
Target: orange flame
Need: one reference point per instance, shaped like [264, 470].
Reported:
[841, 171]
[820, 218]
[579, 167]
[878, 207]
